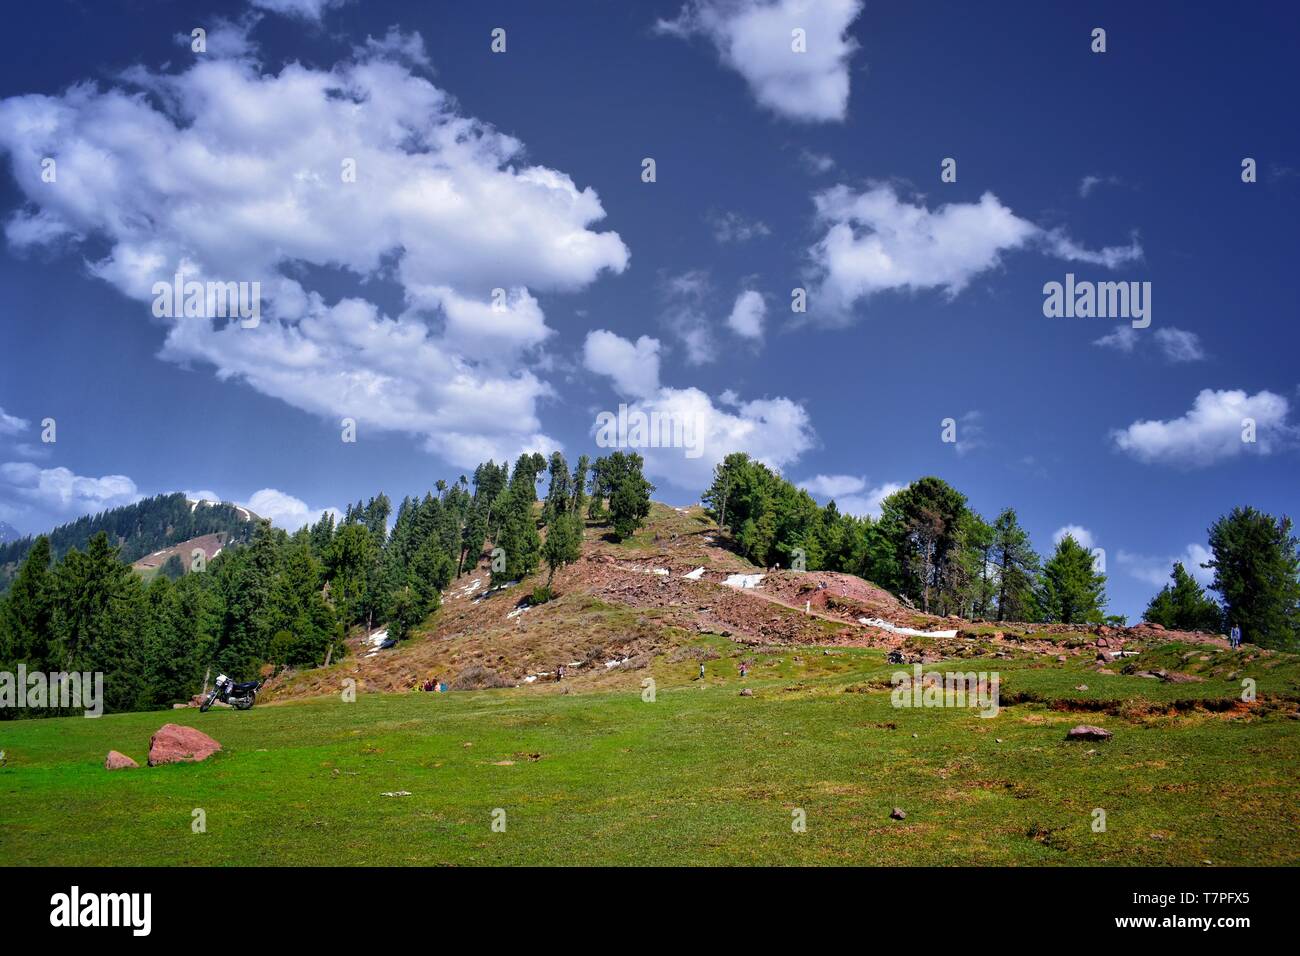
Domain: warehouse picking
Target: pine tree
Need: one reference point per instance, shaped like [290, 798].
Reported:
[563, 543]
[26, 614]
[1017, 566]
[558, 493]
[98, 614]
[1072, 590]
[924, 521]
[518, 536]
[179, 636]
[580, 486]
[322, 535]
[431, 572]
[1256, 566]
[1184, 606]
[629, 492]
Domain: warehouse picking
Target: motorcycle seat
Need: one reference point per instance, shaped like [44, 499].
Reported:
[244, 687]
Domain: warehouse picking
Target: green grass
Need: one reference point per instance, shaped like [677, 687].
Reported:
[700, 776]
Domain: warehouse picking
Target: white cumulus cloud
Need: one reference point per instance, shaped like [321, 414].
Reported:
[775, 431]
[747, 315]
[756, 38]
[12, 424]
[284, 510]
[1213, 430]
[366, 170]
[876, 241]
[633, 366]
[62, 493]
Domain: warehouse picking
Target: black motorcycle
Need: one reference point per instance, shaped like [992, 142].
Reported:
[240, 696]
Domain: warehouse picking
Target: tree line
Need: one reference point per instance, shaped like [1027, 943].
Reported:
[292, 599]
[932, 548]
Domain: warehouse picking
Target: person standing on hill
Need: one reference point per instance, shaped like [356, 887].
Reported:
[1234, 636]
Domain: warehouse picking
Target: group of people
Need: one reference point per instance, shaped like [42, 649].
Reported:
[433, 685]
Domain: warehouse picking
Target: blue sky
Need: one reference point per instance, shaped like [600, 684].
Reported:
[774, 170]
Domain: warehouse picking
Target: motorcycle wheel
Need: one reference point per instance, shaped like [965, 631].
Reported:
[245, 704]
[203, 707]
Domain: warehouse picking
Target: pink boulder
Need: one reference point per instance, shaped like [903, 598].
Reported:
[174, 743]
[118, 761]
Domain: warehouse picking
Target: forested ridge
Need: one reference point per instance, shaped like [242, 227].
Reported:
[136, 530]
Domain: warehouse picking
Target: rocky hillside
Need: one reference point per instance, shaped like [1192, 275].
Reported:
[659, 593]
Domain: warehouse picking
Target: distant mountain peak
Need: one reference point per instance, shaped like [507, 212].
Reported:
[9, 533]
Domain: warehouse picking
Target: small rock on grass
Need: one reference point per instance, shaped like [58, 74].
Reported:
[746, 692]
[898, 814]
[118, 761]
[1088, 732]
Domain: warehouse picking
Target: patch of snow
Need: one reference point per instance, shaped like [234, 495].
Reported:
[396, 793]
[743, 580]
[377, 638]
[530, 678]
[694, 575]
[517, 611]
[906, 631]
[609, 664]
[662, 572]
[491, 591]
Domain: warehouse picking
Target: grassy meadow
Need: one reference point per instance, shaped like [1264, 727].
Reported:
[701, 775]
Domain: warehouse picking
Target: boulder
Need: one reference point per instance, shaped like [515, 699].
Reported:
[174, 744]
[118, 761]
[1088, 732]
